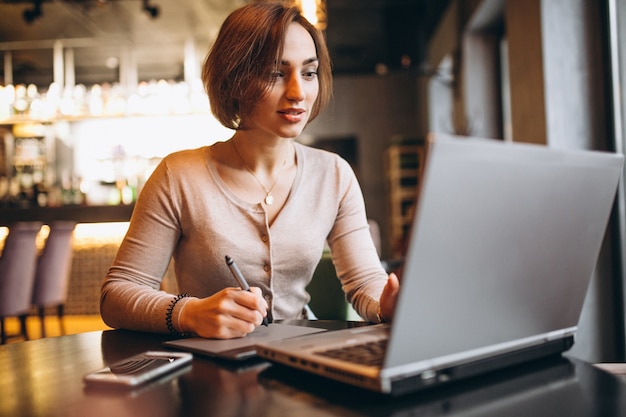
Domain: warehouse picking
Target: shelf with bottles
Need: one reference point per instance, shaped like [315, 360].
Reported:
[103, 157]
[28, 166]
[26, 103]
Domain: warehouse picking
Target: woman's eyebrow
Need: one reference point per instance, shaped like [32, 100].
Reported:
[305, 62]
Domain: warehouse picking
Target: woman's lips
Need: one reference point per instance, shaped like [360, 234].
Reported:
[292, 115]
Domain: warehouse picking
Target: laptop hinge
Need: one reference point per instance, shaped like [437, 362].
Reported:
[559, 334]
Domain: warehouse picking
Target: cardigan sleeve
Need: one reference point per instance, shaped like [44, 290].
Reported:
[353, 251]
[130, 296]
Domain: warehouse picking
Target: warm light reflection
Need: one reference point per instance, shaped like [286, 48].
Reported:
[41, 236]
[85, 234]
[309, 10]
[96, 234]
[35, 394]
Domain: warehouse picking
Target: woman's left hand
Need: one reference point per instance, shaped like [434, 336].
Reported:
[389, 296]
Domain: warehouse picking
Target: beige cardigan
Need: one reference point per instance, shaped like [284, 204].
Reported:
[185, 211]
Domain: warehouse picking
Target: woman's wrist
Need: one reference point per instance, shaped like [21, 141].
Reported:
[169, 316]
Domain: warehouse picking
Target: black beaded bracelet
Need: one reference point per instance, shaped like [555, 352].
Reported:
[168, 315]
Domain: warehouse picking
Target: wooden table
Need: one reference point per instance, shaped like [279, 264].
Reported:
[44, 378]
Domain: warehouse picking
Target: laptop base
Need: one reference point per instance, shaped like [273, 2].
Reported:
[498, 362]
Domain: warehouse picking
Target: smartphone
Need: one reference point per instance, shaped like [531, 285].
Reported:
[139, 369]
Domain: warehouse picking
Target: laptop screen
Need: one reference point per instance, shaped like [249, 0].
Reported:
[503, 245]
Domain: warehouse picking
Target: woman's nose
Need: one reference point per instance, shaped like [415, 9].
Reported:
[295, 90]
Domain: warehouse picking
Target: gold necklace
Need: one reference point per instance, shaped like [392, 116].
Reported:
[269, 198]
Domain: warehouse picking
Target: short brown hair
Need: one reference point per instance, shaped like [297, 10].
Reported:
[236, 71]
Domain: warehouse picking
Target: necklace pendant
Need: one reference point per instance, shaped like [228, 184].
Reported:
[269, 199]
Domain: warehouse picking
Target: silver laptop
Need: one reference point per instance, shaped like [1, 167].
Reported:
[503, 245]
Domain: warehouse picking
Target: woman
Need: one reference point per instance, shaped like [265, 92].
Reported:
[260, 198]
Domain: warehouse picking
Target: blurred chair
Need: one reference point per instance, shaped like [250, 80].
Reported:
[17, 274]
[328, 301]
[53, 272]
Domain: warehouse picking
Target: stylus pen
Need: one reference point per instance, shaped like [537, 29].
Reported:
[240, 279]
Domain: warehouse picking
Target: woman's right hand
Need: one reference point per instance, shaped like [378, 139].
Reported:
[228, 314]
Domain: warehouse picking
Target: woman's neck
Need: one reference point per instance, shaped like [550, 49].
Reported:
[261, 155]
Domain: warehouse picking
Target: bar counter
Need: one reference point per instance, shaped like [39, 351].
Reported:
[44, 378]
[79, 214]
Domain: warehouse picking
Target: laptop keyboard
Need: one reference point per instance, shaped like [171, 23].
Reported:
[370, 353]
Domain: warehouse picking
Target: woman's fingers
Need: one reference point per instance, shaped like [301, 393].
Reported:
[230, 313]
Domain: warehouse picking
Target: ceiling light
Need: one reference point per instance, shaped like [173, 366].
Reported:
[153, 11]
[313, 10]
[112, 62]
[31, 15]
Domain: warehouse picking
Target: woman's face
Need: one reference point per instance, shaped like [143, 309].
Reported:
[285, 110]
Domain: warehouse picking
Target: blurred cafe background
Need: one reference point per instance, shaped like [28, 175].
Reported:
[93, 93]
